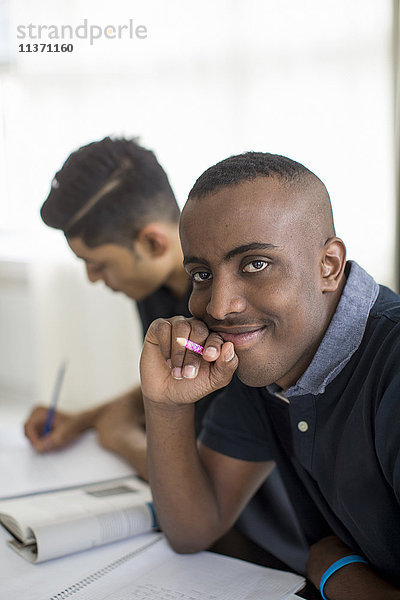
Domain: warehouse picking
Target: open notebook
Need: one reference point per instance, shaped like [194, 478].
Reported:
[152, 571]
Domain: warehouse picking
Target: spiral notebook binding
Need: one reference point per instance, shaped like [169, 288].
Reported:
[83, 583]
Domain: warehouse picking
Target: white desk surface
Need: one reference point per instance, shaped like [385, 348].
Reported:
[21, 471]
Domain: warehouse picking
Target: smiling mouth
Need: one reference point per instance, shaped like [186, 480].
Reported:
[240, 339]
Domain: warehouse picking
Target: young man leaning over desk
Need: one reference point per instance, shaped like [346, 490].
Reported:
[113, 201]
[115, 206]
[307, 346]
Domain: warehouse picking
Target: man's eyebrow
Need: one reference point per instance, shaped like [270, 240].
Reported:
[194, 259]
[248, 247]
[234, 252]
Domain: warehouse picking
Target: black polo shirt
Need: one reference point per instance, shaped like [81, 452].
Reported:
[277, 530]
[336, 437]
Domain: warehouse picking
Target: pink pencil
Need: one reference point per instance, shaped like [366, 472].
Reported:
[190, 345]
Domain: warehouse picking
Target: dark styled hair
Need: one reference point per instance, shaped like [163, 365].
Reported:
[249, 166]
[107, 191]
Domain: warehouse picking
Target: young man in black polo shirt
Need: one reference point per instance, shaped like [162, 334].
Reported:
[308, 347]
[113, 201]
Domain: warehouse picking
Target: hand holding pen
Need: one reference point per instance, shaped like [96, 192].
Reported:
[48, 425]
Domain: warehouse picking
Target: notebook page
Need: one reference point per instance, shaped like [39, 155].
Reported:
[160, 574]
[24, 471]
[21, 580]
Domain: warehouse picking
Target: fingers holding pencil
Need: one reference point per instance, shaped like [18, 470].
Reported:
[192, 344]
[211, 349]
[180, 371]
[189, 345]
[185, 362]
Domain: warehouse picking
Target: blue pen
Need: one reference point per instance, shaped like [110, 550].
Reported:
[53, 404]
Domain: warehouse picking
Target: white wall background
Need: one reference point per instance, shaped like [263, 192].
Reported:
[310, 79]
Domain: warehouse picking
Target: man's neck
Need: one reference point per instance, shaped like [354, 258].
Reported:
[298, 370]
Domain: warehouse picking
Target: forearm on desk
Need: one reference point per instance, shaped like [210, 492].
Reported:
[132, 446]
[183, 496]
[359, 582]
[120, 427]
[198, 492]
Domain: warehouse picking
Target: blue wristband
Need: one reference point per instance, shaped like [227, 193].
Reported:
[154, 524]
[346, 560]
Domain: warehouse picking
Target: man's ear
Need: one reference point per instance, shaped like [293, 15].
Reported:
[333, 262]
[154, 240]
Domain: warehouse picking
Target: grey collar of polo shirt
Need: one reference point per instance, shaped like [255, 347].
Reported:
[342, 338]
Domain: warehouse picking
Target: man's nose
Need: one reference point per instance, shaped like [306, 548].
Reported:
[93, 275]
[226, 299]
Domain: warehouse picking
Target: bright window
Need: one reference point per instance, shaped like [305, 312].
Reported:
[310, 79]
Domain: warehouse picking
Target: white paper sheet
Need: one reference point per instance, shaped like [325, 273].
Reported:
[21, 580]
[24, 471]
[158, 573]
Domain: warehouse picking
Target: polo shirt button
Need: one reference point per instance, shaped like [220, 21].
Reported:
[302, 426]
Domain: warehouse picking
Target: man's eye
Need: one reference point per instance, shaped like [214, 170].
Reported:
[255, 265]
[201, 276]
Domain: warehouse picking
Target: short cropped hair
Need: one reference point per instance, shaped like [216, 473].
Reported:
[107, 191]
[249, 166]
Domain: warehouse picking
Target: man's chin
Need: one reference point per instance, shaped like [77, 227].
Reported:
[252, 377]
